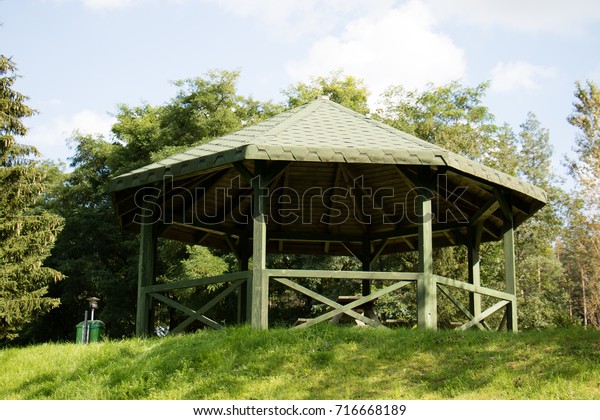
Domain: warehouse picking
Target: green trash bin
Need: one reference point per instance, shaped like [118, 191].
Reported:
[96, 331]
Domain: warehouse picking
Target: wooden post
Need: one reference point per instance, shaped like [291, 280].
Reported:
[244, 255]
[426, 285]
[147, 258]
[509, 260]
[511, 279]
[473, 244]
[366, 266]
[259, 296]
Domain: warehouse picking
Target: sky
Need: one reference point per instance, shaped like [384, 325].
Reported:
[79, 59]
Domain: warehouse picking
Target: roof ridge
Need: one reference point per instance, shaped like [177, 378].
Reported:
[302, 112]
[388, 128]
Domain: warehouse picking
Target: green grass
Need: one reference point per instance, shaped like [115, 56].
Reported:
[325, 362]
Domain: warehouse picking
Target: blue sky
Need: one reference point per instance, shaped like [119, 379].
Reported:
[80, 58]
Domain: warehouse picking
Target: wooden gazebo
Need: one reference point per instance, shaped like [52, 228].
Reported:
[322, 179]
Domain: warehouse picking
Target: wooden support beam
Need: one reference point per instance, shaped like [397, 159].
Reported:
[484, 315]
[182, 284]
[244, 172]
[232, 247]
[485, 211]
[326, 274]
[208, 305]
[473, 245]
[366, 266]
[214, 228]
[422, 179]
[459, 305]
[471, 288]
[509, 259]
[259, 302]
[510, 275]
[274, 172]
[379, 250]
[356, 303]
[186, 310]
[426, 286]
[245, 291]
[323, 299]
[146, 274]
[352, 250]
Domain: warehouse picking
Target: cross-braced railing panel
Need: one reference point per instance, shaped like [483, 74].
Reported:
[237, 280]
[283, 277]
[478, 320]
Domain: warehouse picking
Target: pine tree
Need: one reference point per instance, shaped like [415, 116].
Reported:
[27, 233]
[584, 236]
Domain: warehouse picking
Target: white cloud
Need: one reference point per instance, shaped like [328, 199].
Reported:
[400, 46]
[554, 16]
[519, 75]
[51, 138]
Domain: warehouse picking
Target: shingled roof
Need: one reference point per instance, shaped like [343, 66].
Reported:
[328, 146]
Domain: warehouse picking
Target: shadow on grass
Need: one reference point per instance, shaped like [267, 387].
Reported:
[329, 362]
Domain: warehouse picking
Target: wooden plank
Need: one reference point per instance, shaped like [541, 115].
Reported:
[209, 305]
[326, 274]
[414, 231]
[186, 310]
[471, 288]
[323, 299]
[309, 236]
[232, 247]
[426, 286]
[379, 249]
[214, 228]
[244, 172]
[485, 211]
[354, 304]
[459, 305]
[483, 315]
[276, 170]
[165, 287]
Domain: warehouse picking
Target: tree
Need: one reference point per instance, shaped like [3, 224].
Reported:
[582, 238]
[95, 255]
[543, 296]
[450, 116]
[454, 117]
[27, 232]
[203, 108]
[344, 90]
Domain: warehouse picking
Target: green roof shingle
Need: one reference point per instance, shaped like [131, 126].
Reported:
[320, 131]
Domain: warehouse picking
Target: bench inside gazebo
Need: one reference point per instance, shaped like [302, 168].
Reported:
[322, 179]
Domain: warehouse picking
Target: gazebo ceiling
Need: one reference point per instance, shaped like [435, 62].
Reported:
[335, 180]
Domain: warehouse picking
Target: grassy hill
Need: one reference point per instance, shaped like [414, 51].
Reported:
[317, 363]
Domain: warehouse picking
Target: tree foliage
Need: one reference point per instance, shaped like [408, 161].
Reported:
[343, 89]
[101, 260]
[27, 232]
[454, 117]
[95, 255]
[582, 236]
